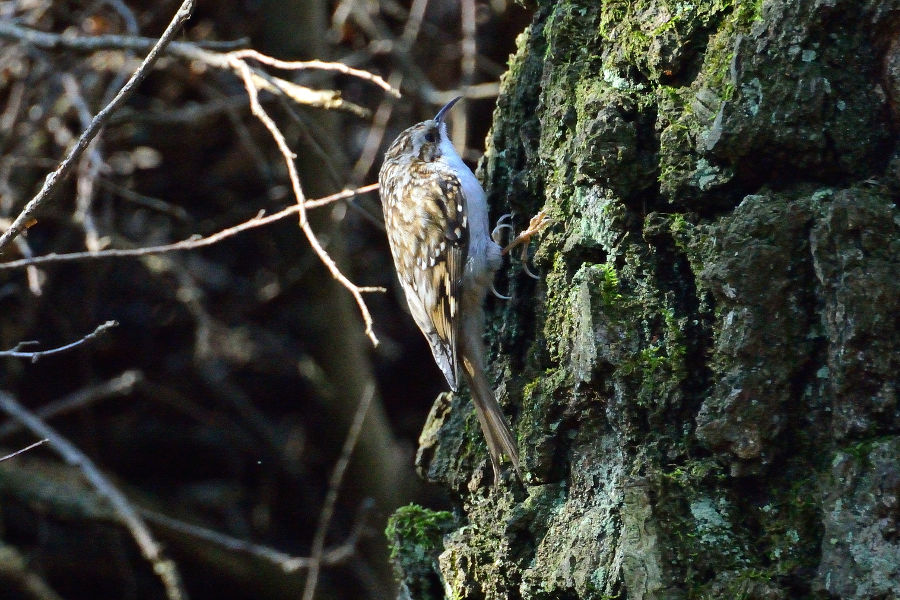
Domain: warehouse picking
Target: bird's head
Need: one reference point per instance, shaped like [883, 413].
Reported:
[426, 141]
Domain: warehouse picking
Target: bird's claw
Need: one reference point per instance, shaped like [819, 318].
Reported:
[495, 233]
[525, 264]
[498, 294]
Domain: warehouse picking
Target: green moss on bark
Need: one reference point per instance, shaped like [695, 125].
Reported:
[415, 537]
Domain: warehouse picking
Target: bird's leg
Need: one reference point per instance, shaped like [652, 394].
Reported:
[537, 223]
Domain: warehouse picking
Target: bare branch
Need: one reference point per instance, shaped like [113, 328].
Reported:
[65, 167]
[36, 356]
[318, 65]
[196, 241]
[287, 562]
[261, 114]
[163, 567]
[204, 54]
[25, 449]
[53, 41]
[88, 167]
[150, 202]
[254, 80]
[334, 485]
[123, 384]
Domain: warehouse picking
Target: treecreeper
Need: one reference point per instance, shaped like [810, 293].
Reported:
[436, 217]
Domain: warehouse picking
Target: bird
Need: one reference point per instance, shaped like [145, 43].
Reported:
[436, 217]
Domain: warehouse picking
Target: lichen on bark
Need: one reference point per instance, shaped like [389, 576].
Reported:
[707, 371]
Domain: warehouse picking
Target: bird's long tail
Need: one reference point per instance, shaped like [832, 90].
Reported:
[496, 430]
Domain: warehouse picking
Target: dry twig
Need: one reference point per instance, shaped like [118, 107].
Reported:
[254, 81]
[196, 241]
[257, 109]
[36, 356]
[334, 485]
[25, 449]
[288, 563]
[218, 60]
[89, 167]
[468, 52]
[120, 385]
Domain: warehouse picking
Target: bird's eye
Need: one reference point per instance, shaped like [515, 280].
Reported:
[431, 136]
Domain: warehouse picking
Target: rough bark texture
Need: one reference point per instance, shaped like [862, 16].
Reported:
[704, 382]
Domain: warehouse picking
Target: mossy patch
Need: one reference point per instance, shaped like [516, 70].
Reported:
[415, 536]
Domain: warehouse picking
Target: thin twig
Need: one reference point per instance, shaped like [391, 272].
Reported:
[261, 114]
[83, 43]
[25, 449]
[131, 27]
[193, 242]
[34, 276]
[288, 563]
[131, 24]
[164, 568]
[123, 384]
[192, 51]
[254, 80]
[475, 91]
[56, 177]
[145, 201]
[320, 65]
[334, 485]
[376, 132]
[88, 167]
[36, 356]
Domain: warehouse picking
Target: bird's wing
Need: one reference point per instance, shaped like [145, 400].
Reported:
[434, 222]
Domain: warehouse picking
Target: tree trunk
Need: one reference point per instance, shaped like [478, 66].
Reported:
[703, 383]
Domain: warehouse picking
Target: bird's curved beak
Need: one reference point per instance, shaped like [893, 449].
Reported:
[439, 117]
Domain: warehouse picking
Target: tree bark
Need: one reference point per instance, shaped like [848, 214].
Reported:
[704, 382]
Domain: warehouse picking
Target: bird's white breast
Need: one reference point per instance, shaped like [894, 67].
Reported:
[484, 254]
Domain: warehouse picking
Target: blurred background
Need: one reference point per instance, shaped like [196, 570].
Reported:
[220, 403]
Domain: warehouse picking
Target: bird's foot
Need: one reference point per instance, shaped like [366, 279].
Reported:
[537, 223]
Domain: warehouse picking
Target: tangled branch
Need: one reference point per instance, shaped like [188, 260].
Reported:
[56, 177]
[254, 81]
